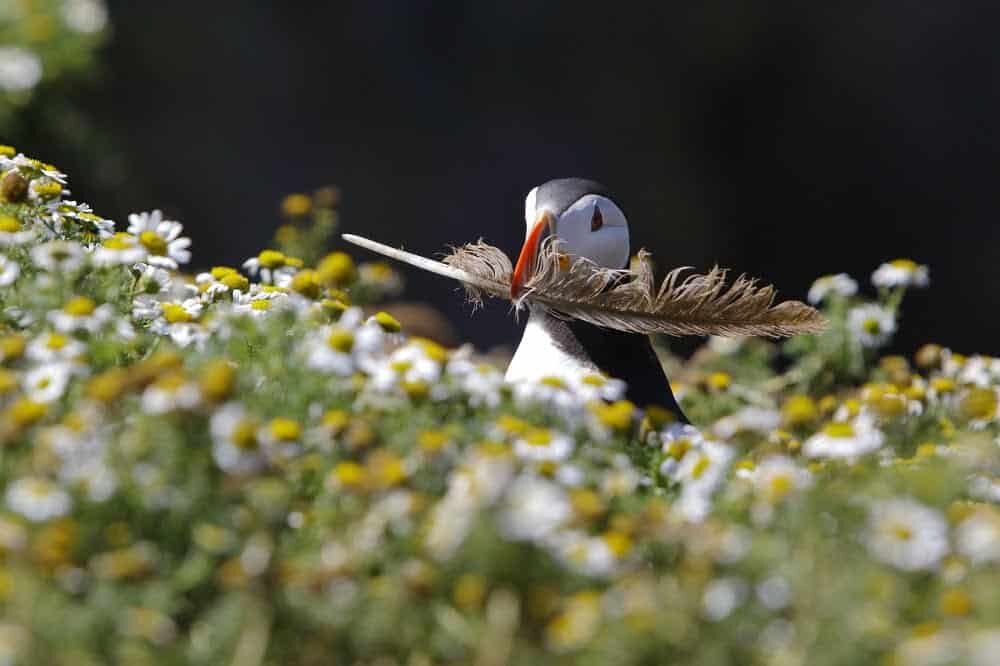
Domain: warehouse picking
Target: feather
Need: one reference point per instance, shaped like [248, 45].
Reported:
[684, 303]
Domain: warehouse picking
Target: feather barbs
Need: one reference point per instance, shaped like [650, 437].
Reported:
[630, 300]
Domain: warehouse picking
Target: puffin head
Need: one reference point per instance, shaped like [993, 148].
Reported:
[582, 215]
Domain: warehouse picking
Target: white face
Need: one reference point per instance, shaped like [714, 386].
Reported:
[593, 227]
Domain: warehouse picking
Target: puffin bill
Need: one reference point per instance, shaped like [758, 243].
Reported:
[588, 223]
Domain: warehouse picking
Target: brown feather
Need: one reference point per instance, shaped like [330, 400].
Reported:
[626, 300]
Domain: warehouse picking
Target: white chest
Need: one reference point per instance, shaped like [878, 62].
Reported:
[538, 356]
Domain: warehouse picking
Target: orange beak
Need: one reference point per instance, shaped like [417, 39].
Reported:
[526, 261]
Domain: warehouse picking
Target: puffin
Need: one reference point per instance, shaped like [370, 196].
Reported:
[588, 222]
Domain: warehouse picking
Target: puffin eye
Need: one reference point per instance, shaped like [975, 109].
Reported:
[597, 221]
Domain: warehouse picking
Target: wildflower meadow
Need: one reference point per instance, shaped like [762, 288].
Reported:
[256, 465]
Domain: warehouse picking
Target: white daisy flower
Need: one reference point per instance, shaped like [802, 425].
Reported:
[725, 346]
[747, 419]
[13, 233]
[161, 314]
[220, 280]
[54, 347]
[409, 365]
[121, 249]
[85, 16]
[273, 267]
[543, 445]
[380, 276]
[161, 238]
[778, 476]
[907, 535]
[871, 325]
[587, 554]
[258, 301]
[978, 537]
[81, 314]
[58, 256]
[9, 270]
[169, 393]
[235, 446]
[281, 439]
[901, 273]
[37, 499]
[840, 284]
[187, 335]
[481, 382]
[845, 439]
[332, 350]
[701, 472]
[722, 596]
[595, 387]
[20, 69]
[534, 509]
[48, 382]
[153, 279]
[676, 441]
[555, 392]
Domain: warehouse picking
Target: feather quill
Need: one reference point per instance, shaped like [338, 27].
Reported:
[684, 303]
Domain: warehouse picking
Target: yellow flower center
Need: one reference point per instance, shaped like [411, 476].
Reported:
[56, 341]
[8, 381]
[554, 382]
[512, 424]
[260, 304]
[217, 380]
[872, 326]
[341, 340]
[719, 381]
[296, 205]
[956, 603]
[349, 474]
[907, 265]
[617, 415]
[943, 384]
[978, 404]
[153, 242]
[244, 435]
[538, 437]
[271, 259]
[838, 430]
[120, 241]
[286, 430]
[9, 224]
[618, 543]
[432, 440]
[387, 468]
[388, 323]
[700, 467]
[175, 313]
[337, 269]
[47, 189]
[679, 448]
[307, 283]
[779, 487]
[24, 412]
[799, 409]
[80, 306]
[235, 281]
[901, 532]
[433, 350]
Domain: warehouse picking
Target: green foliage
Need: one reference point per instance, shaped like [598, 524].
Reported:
[240, 466]
[47, 46]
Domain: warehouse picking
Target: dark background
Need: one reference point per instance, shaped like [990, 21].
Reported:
[784, 139]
